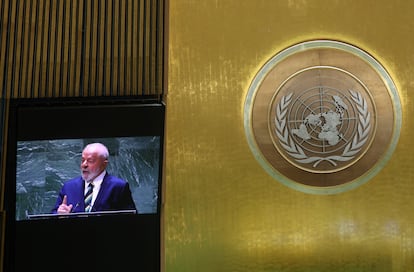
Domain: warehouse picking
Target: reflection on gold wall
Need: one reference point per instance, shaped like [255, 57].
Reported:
[223, 212]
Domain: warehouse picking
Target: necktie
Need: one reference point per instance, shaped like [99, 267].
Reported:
[88, 198]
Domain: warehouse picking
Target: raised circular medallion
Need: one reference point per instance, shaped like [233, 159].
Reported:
[322, 117]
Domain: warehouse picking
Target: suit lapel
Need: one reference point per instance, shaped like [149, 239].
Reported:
[79, 191]
[98, 200]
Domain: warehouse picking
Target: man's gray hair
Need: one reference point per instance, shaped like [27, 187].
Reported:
[100, 148]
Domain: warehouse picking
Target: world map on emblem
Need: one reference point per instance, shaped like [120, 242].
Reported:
[322, 128]
[322, 117]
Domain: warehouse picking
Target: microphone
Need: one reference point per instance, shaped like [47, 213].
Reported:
[74, 208]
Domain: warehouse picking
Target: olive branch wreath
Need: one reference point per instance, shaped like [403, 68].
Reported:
[351, 149]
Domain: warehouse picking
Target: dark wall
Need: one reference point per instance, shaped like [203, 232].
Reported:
[78, 48]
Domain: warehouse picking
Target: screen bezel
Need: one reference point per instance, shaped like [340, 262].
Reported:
[75, 118]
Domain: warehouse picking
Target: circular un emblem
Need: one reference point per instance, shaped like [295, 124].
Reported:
[322, 117]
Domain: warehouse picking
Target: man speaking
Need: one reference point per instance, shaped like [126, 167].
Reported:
[95, 190]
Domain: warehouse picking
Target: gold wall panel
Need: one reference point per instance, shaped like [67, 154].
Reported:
[71, 48]
[223, 212]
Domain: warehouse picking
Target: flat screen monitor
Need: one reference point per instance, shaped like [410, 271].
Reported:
[44, 147]
[43, 166]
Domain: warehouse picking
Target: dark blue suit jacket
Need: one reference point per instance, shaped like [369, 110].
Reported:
[113, 195]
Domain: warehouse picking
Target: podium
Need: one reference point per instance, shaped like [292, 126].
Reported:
[79, 214]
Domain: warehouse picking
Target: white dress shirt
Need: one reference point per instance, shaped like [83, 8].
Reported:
[96, 186]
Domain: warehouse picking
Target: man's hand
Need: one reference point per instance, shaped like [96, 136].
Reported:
[64, 207]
